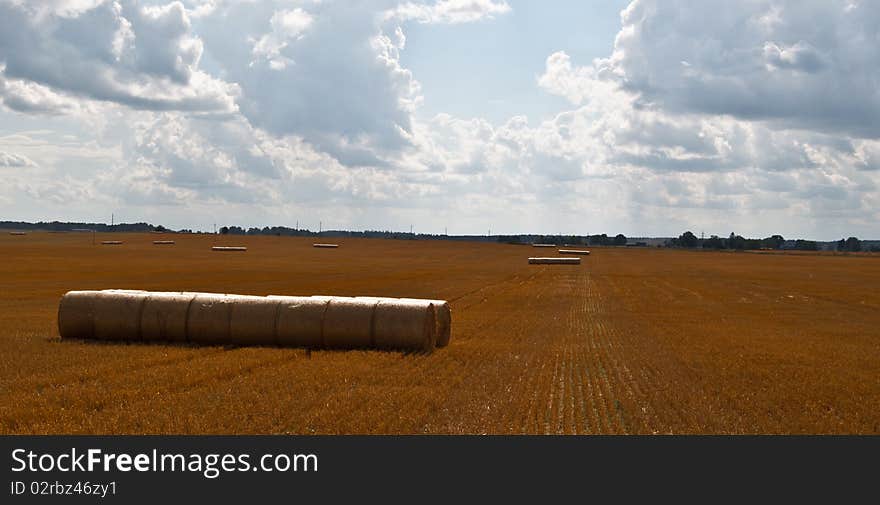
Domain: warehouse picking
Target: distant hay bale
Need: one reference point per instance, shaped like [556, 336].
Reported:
[228, 248]
[581, 252]
[554, 261]
[163, 242]
[543, 245]
[18, 233]
[213, 318]
[111, 242]
[326, 246]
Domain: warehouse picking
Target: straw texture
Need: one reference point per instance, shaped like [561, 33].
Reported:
[209, 317]
[164, 316]
[406, 324]
[253, 320]
[300, 320]
[117, 315]
[76, 314]
[348, 323]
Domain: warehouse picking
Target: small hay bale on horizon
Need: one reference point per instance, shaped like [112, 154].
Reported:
[229, 248]
[543, 245]
[163, 242]
[111, 242]
[554, 261]
[18, 233]
[326, 246]
[580, 252]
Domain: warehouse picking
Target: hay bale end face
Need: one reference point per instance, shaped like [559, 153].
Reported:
[579, 252]
[404, 323]
[554, 261]
[226, 248]
[212, 318]
[442, 319]
[163, 242]
[326, 246]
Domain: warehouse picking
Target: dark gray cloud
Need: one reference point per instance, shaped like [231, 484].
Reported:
[144, 57]
[804, 64]
[334, 80]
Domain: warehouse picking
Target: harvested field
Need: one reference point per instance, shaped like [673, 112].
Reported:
[635, 340]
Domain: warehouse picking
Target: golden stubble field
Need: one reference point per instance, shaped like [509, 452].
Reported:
[631, 341]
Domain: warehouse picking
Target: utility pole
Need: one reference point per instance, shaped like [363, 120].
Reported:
[410, 230]
[320, 227]
[111, 219]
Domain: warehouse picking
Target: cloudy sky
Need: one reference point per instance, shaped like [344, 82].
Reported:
[568, 116]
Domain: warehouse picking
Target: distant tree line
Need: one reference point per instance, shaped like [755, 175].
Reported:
[603, 239]
[737, 242]
[685, 240]
[98, 227]
[298, 232]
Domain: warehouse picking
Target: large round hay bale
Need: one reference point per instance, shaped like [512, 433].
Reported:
[164, 316]
[117, 315]
[254, 320]
[348, 323]
[301, 320]
[76, 314]
[209, 318]
[444, 322]
[404, 324]
[442, 318]
[206, 318]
